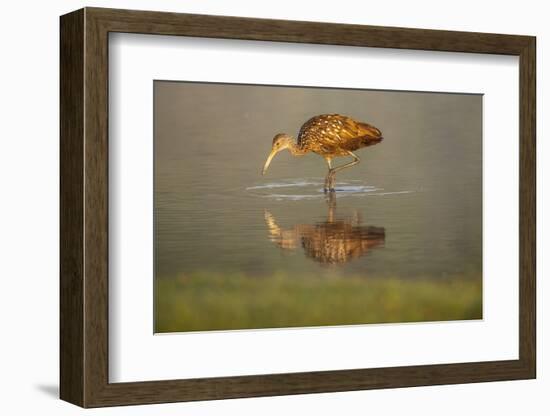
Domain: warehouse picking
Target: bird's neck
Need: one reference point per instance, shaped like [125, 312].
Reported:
[296, 150]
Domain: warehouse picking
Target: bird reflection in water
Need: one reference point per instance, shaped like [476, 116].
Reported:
[334, 241]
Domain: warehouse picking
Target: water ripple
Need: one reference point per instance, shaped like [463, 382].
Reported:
[290, 184]
[312, 188]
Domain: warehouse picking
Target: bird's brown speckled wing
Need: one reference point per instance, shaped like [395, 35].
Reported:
[336, 134]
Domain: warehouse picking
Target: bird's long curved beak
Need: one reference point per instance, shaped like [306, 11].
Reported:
[268, 161]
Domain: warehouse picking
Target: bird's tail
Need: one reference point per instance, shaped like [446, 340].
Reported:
[371, 135]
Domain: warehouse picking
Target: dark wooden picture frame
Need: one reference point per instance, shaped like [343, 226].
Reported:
[84, 207]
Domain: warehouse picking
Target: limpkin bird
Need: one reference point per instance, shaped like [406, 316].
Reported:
[330, 136]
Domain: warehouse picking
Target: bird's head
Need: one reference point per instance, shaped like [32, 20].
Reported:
[280, 142]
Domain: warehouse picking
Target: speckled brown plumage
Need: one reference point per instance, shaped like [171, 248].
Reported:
[335, 135]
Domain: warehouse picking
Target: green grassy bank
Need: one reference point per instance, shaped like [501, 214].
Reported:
[212, 302]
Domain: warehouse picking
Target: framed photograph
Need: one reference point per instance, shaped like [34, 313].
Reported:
[257, 207]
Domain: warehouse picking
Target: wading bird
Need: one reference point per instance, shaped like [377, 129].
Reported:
[330, 136]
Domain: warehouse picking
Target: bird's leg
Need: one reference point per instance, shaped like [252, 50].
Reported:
[355, 161]
[331, 180]
[332, 172]
[327, 178]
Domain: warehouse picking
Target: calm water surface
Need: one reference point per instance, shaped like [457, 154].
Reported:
[411, 208]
